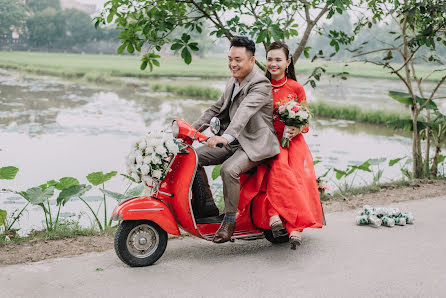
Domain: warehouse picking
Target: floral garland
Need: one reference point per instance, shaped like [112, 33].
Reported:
[150, 157]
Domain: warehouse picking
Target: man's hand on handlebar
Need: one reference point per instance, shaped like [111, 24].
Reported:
[214, 140]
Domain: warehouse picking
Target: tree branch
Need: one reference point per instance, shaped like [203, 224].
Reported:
[433, 92]
[308, 29]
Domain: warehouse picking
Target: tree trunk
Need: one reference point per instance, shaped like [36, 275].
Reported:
[428, 145]
[416, 147]
[434, 168]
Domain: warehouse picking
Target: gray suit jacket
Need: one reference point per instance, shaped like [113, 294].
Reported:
[248, 118]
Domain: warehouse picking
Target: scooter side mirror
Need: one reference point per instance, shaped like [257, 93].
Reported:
[215, 125]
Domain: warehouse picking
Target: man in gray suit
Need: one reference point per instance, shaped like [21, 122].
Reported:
[245, 111]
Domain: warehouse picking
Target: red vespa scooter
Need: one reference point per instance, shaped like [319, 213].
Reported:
[141, 238]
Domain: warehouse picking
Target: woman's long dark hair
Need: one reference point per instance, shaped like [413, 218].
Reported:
[290, 72]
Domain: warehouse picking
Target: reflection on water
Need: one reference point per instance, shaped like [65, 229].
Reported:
[50, 128]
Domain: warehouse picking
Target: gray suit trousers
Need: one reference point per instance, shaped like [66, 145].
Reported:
[234, 162]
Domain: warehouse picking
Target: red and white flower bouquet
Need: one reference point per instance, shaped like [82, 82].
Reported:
[292, 113]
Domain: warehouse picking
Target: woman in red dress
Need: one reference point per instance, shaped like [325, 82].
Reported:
[293, 196]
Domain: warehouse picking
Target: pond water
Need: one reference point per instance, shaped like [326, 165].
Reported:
[51, 128]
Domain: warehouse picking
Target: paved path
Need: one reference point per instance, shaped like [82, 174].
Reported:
[342, 260]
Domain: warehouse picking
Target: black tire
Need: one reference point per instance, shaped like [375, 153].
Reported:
[269, 236]
[140, 254]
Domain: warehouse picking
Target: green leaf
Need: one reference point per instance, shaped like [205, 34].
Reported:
[122, 48]
[441, 159]
[262, 36]
[276, 32]
[3, 215]
[8, 173]
[130, 48]
[36, 195]
[193, 46]
[365, 166]
[315, 162]
[176, 46]
[110, 17]
[339, 173]
[156, 62]
[401, 97]
[143, 65]
[128, 177]
[97, 178]
[133, 192]
[216, 172]
[66, 182]
[392, 162]
[71, 192]
[186, 55]
[185, 37]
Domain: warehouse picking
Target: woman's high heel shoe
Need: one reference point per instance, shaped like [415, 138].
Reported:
[277, 229]
[295, 241]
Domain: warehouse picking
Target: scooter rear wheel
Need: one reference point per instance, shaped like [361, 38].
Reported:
[269, 236]
[140, 243]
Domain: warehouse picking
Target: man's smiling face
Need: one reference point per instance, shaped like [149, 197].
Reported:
[241, 62]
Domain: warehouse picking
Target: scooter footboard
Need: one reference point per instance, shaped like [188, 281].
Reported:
[147, 208]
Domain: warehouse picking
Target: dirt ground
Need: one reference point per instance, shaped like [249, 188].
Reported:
[33, 251]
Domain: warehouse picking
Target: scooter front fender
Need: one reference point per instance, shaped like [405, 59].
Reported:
[147, 208]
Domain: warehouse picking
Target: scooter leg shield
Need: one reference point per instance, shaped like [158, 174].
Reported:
[147, 208]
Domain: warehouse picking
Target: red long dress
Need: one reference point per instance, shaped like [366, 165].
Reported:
[290, 179]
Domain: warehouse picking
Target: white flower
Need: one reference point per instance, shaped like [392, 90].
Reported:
[148, 180]
[291, 114]
[171, 146]
[142, 145]
[149, 150]
[139, 159]
[161, 150]
[145, 169]
[147, 159]
[131, 158]
[136, 177]
[157, 174]
[156, 160]
[137, 153]
[302, 114]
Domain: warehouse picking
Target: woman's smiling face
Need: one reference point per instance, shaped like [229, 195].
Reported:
[276, 63]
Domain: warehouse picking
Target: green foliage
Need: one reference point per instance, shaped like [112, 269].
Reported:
[152, 23]
[3, 215]
[406, 98]
[39, 5]
[216, 172]
[350, 112]
[8, 173]
[46, 27]
[130, 193]
[97, 178]
[12, 14]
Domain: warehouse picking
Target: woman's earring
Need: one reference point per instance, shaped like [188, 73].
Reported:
[286, 70]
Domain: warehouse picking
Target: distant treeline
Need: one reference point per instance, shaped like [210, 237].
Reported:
[42, 25]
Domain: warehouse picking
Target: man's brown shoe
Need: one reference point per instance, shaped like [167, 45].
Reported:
[225, 232]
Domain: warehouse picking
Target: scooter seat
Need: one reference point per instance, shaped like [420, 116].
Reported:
[209, 220]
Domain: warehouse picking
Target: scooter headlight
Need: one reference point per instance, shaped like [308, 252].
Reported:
[175, 129]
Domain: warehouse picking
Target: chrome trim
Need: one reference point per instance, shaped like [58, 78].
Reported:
[190, 189]
[163, 193]
[149, 209]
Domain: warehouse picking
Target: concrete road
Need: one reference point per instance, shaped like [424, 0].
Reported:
[341, 260]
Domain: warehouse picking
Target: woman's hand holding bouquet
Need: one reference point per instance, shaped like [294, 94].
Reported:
[295, 114]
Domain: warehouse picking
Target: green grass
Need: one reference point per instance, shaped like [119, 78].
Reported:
[78, 65]
[355, 113]
[64, 230]
[372, 188]
[190, 90]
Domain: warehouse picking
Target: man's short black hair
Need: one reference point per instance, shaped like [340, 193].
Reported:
[241, 41]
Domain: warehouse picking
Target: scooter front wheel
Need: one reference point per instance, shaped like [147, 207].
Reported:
[140, 243]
